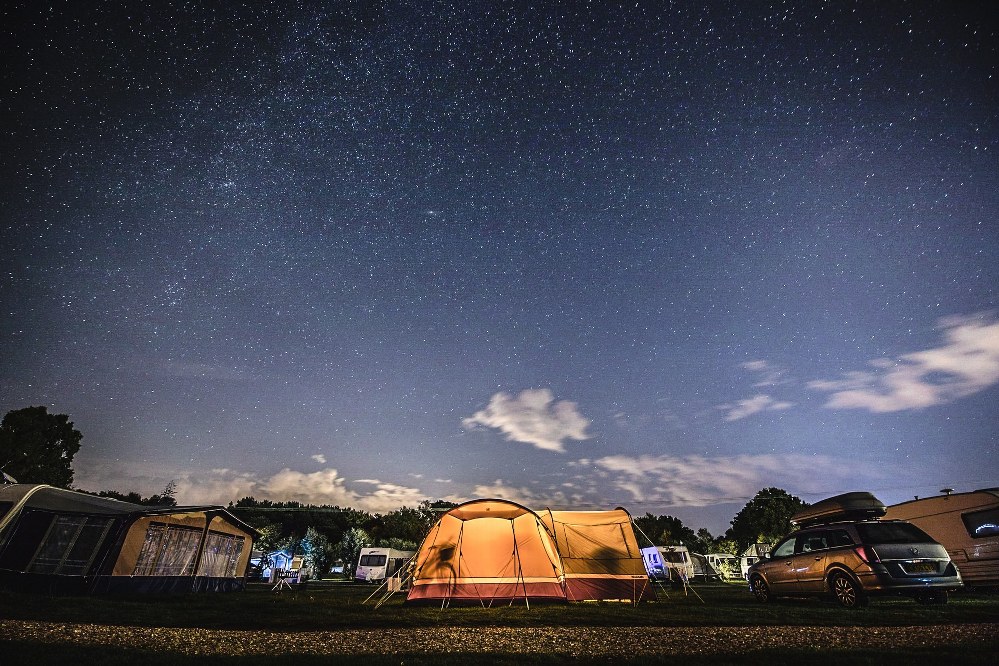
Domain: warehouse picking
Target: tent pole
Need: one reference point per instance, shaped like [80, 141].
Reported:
[520, 568]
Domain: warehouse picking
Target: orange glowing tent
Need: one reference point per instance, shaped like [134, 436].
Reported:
[496, 550]
[485, 551]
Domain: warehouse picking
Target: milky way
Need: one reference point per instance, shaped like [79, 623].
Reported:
[575, 254]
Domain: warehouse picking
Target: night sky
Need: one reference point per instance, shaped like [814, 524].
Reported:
[574, 254]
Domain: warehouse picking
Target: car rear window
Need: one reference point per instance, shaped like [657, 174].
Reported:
[892, 533]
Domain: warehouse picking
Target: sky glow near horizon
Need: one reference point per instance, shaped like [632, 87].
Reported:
[571, 254]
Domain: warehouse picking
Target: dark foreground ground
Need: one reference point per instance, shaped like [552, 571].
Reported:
[720, 624]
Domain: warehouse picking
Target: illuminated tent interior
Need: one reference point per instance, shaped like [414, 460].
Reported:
[487, 550]
[62, 541]
[495, 550]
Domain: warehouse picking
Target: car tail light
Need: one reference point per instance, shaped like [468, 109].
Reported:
[867, 554]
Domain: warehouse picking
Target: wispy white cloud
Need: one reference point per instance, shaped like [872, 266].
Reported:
[532, 499]
[703, 480]
[532, 417]
[965, 363]
[319, 458]
[768, 373]
[758, 403]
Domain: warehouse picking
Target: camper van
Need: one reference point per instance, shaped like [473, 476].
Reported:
[376, 564]
[966, 524]
[668, 563]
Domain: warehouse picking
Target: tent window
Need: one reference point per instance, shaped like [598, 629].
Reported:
[221, 555]
[70, 545]
[169, 550]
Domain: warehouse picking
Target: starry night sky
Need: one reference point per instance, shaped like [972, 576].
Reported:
[575, 254]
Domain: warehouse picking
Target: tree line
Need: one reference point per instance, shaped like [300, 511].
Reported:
[38, 447]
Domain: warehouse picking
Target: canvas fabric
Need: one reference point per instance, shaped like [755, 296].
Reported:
[600, 555]
[488, 550]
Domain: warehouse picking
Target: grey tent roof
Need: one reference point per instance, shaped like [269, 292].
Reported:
[50, 498]
[69, 501]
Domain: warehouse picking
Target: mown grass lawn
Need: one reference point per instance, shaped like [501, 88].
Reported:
[325, 606]
[337, 606]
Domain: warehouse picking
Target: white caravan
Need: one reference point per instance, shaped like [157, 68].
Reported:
[668, 563]
[967, 524]
[376, 564]
[725, 565]
[751, 556]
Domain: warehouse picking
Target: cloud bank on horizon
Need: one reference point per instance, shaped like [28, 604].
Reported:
[966, 362]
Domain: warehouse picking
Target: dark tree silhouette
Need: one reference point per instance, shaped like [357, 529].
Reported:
[766, 518]
[38, 447]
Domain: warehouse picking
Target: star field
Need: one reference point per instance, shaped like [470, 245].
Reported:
[582, 254]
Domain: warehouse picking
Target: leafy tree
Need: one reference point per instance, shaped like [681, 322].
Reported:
[765, 519]
[398, 544]
[269, 538]
[131, 497]
[38, 447]
[349, 548]
[165, 498]
[319, 553]
[723, 545]
[665, 530]
[703, 542]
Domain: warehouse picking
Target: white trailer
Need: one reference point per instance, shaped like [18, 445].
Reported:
[726, 565]
[376, 564]
[668, 563]
[966, 524]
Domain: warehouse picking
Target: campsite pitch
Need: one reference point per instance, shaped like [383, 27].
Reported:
[313, 624]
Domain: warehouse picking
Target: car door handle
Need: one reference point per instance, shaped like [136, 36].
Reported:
[817, 559]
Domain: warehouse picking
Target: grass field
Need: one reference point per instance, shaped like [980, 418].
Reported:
[326, 607]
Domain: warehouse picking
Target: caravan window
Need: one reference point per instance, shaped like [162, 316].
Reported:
[372, 560]
[982, 523]
[676, 557]
[70, 545]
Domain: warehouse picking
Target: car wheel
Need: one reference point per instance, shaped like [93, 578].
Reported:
[936, 597]
[847, 592]
[760, 589]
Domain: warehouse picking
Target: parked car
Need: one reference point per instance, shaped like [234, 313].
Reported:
[852, 555]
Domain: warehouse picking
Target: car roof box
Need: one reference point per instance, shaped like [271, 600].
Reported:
[848, 506]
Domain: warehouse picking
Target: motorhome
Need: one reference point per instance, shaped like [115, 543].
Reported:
[668, 563]
[376, 564]
[967, 524]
